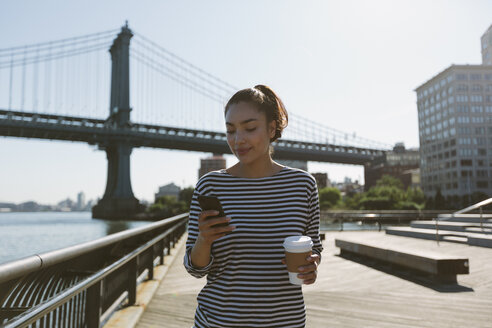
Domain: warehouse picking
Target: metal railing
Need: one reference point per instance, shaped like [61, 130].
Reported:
[478, 206]
[81, 285]
[377, 217]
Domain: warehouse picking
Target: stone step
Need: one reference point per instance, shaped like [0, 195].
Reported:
[468, 218]
[486, 228]
[455, 239]
[474, 239]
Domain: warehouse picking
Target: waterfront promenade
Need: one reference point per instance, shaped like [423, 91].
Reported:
[352, 294]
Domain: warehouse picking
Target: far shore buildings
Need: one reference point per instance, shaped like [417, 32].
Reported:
[400, 163]
[322, 180]
[209, 164]
[455, 128]
[168, 190]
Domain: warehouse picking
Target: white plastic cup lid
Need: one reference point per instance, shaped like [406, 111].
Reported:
[298, 244]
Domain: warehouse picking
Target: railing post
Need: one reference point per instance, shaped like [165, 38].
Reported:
[132, 281]
[168, 245]
[93, 305]
[150, 263]
[481, 218]
[162, 245]
[437, 230]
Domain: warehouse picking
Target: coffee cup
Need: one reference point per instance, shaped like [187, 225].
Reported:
[297, 249]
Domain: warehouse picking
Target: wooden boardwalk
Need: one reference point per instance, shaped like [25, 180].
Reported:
[352, 294]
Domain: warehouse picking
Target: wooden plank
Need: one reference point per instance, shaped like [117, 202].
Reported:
[348, 294]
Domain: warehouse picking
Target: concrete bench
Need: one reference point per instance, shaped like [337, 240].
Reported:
[442, 268]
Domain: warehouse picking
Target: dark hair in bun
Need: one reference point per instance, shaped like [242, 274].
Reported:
[267, 101]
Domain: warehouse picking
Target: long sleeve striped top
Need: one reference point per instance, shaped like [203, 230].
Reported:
[247, 284]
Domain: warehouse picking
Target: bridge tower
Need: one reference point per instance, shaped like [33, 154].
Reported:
[118, 201]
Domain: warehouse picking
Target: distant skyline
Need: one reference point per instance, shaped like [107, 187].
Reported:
[351, 65]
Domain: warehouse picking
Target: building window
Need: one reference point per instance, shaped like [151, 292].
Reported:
[477, 109]
[476, 87]
[461, 87]
[461, 77]
[476, 98]
[482, 184]
[480, 130]
[479, 141]
[482, 173]
[475, 77]
[462, 98]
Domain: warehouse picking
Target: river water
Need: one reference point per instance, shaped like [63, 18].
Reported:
[24, 234]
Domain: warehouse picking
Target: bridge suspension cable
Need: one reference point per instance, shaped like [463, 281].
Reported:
[71, 76]
[54, 76]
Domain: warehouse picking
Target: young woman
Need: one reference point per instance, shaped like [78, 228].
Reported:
[264, 202]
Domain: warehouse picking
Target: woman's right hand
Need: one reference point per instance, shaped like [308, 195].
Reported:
[208, 234]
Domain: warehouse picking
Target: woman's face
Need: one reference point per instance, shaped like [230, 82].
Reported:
[248, 133]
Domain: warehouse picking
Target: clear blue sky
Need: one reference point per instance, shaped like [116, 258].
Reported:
[352, 65]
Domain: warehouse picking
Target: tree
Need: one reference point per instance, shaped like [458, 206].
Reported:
[389, 181]
[352, 201]
[439, 201]
[186, 195]
[329, 197]
[415, 195]
[168, 206]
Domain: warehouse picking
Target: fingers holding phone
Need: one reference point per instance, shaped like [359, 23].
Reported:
[212, 222]
[211, 229]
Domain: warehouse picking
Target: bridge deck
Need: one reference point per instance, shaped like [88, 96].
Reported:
[351, 294]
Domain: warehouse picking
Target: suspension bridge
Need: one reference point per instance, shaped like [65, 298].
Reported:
[58, 90]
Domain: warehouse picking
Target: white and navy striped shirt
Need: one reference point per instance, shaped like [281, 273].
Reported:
[247, 284]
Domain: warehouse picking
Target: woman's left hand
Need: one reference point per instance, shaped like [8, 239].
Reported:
[308, 272]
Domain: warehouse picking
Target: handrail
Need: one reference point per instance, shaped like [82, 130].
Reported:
[479, 205]
[85, 283]
[18, 268]
[475, 206]
[36, 312]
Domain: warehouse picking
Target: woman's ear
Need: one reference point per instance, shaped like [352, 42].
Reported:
[272, 128]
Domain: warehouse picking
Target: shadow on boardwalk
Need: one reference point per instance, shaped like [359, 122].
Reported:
[355, 293]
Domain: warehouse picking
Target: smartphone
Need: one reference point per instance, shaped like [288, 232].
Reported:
[212, 203]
